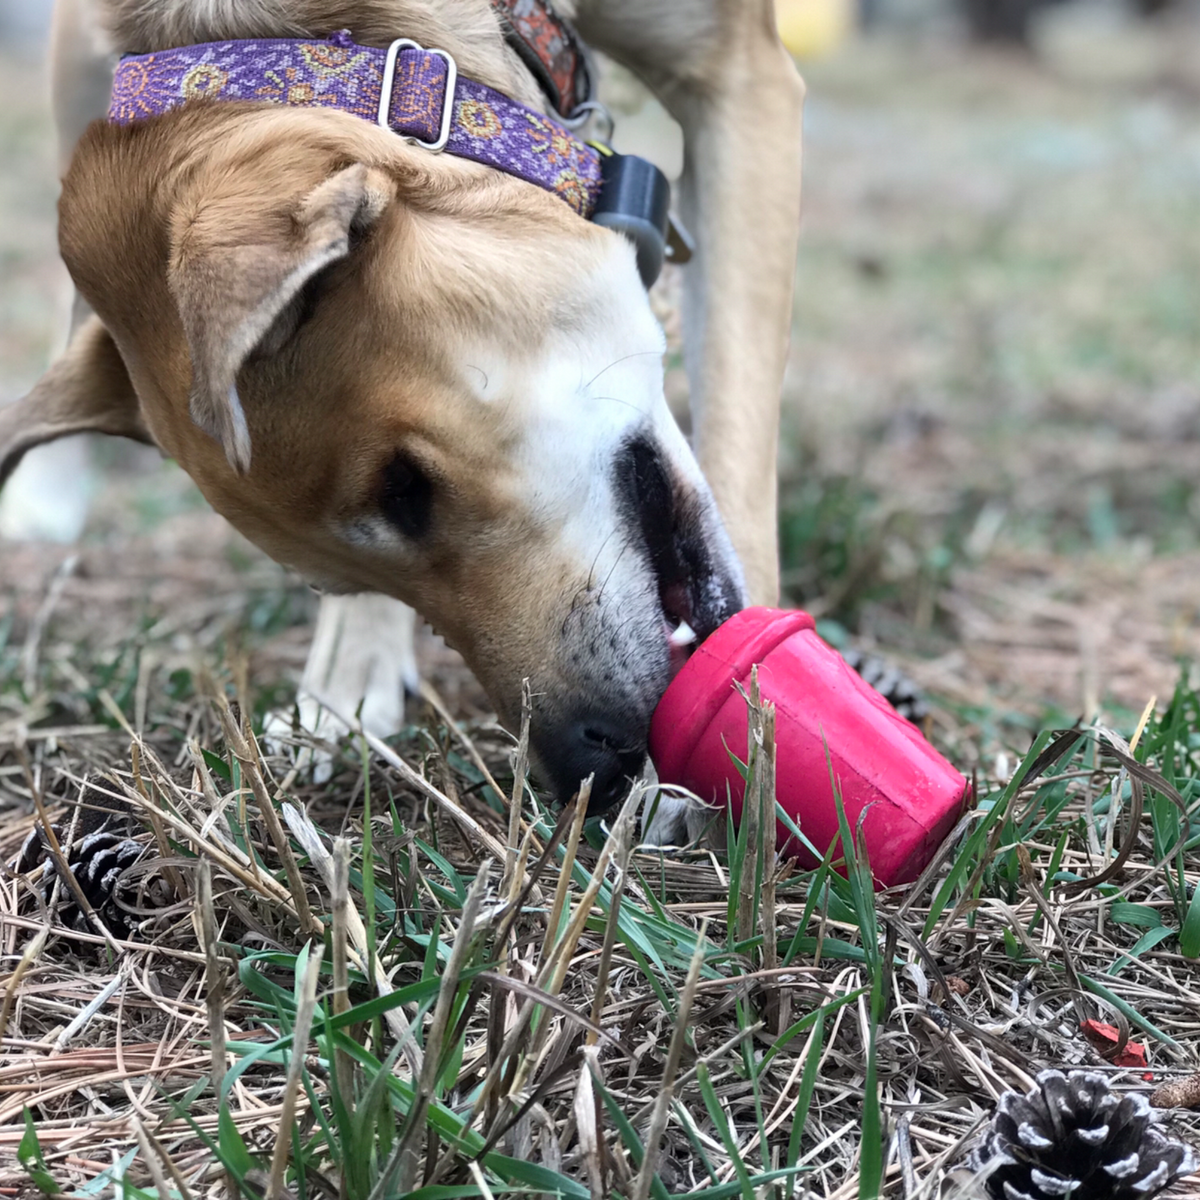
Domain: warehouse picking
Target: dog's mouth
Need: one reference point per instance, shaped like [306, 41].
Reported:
[676, 603]
[679, 582]
[671, 522]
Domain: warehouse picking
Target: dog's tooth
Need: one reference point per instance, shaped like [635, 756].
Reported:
[682, 635]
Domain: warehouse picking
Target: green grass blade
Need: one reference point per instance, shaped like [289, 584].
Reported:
[753, 1071]
[1189, 934]
[808, 1085]
[629, 1136]
[447, 1193]
[29, 1153]
[806, 1022]
[720, 1119]
[1146, 942]
[423, 992]
[688, 1124]
[726, 1190]
[231, 1146]
[536, 1178]
[870, 1161]
[104, 1181]
[976, 842]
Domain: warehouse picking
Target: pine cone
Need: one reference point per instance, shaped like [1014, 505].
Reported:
[96, 860]
[891, 683]
[1073, 1136]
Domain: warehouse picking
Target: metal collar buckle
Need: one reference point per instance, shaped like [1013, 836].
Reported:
[590, 110]
[389, 82]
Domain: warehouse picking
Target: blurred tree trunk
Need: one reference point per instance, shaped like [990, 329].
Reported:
[1006, 21]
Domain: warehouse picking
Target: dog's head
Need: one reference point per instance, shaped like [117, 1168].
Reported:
[407, 375]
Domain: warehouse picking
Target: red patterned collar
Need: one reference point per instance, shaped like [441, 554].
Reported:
[551, 49]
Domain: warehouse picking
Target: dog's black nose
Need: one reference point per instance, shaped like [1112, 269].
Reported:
[591, 747]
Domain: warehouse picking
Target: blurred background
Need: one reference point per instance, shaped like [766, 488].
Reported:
[24, 20]
[991, 452]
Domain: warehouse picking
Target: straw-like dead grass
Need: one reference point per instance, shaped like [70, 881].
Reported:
[520, 989]
[920, 342]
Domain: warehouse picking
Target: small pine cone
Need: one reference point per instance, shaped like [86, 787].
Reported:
[96, 860]
[1073, 1136]
[891, 683]
[32, 851]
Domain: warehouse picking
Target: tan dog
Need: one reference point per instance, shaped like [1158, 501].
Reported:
[412, 375]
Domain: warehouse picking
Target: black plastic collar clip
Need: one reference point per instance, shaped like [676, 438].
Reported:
[635, 200]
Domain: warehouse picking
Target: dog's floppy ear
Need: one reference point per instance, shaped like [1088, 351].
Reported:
[86, 391]
[239, 263]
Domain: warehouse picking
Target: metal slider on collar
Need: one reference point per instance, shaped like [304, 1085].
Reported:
[391, 62]
[635, 201]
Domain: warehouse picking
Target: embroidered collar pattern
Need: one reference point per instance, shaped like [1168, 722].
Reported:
[485, 126]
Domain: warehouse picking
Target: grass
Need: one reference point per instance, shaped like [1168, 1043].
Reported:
[371, 1125]
[385, 986]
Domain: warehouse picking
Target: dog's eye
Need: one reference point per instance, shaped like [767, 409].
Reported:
[407, 496]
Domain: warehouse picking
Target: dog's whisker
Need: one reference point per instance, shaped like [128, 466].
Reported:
[618, 362]
[616, 563]
[618, 400]
[591, 583]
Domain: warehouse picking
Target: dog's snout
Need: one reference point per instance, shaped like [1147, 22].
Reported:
[671, 580]
[596, 747]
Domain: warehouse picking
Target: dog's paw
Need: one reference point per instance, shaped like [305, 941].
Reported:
[307, 735]
[48, 496]
[674, 819]
[362, 667]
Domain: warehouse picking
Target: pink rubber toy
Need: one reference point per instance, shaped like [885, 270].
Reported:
[879, 759]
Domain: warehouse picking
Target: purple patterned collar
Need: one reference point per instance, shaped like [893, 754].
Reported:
[416, 93]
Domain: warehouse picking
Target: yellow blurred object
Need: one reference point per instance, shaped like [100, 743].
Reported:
[812, 28]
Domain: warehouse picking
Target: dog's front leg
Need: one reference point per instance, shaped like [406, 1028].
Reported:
[721, 71]
[741, 196]
[49, 496]
[362, 664]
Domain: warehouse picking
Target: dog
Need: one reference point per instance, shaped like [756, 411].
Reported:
[423, 383]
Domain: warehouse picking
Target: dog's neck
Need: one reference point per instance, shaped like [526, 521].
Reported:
[468, 29]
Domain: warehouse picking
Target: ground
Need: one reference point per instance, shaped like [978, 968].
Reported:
[990, 466]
